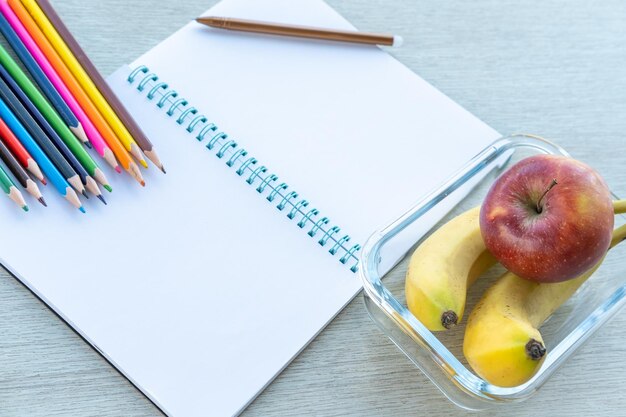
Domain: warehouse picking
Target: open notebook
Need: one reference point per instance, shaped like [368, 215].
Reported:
[283, 155]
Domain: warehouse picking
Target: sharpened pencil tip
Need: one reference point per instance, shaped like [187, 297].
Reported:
[118, 169]
[44, 182]
[143, 163]
[82, 209]
[163, 169]
[88, 144]
[25, 208]
[108, 188]
[84, 193]
[143, 183]
[42, 201]
[102, 199]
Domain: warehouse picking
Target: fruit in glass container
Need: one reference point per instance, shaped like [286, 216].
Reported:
[443, 267]
[502, 341]
[548, 218]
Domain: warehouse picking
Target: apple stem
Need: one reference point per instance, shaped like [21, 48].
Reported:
[539, 206]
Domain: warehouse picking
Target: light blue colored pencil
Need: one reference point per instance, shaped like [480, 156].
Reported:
[48, 168]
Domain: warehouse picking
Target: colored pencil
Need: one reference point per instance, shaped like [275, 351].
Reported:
[83, 78]
[7, 185]
[51, 172]
[51, 116]
[20, 173]
[40, 129]
[73, 45]
[107, 133]
[40, 78]
[58, 157]
[92, 133]
[21, 154]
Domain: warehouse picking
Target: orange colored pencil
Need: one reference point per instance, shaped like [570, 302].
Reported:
[79, 94]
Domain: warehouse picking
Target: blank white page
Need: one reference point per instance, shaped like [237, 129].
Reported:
[197, 288]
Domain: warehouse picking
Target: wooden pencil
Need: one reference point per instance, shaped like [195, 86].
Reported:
[9, 188]
[60, 158]
[21, 154]
[48, 168]
[40, 129]
[20, 173]
[80, 55]
[57, 63]
[94, 136]
[81, 76]
[51, 116]
[41, 79]
[309, 32]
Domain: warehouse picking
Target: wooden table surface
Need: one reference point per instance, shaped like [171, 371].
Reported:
[555, 68]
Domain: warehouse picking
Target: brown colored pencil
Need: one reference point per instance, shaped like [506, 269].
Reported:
[20, 173]
[255, 26]
[141, 139]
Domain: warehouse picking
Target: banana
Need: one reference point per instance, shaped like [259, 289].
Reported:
[502, 341]
[443, 267]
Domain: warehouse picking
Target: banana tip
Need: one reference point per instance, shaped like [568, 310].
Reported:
[449, 319]
[535, 349]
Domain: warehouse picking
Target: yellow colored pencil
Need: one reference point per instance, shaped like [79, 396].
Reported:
[84, 80]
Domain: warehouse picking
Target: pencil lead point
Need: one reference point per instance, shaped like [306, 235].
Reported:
[108, 187]
[25, 208]
[88, 144]
[143, 183]
[102, 199]
[44, 182]
[163, 169]
[84, 193]
[143, 163]
[118, 169]
[82, 209]
[42, 201]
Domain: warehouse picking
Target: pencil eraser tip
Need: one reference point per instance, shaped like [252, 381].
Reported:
[397, 41]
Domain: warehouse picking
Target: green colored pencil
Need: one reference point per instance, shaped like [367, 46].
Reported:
[53, 118]
[11, 190]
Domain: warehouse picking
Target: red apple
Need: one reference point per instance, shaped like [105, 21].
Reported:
[548, 218]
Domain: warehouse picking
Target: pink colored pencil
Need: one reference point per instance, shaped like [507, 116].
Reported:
[92, 133]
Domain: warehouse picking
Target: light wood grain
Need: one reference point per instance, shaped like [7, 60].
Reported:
[550, 67]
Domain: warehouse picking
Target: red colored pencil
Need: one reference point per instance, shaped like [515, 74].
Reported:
[20, 153]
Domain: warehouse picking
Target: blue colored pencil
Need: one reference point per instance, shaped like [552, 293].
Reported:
[25, 110]
[50, 171]
[42, 80]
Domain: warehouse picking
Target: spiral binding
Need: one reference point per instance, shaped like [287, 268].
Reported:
[247, 167]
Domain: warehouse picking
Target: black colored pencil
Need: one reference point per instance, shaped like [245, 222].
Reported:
[39, 136]
[20, 173]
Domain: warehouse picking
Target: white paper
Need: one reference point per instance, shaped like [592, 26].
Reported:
[197, 288]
